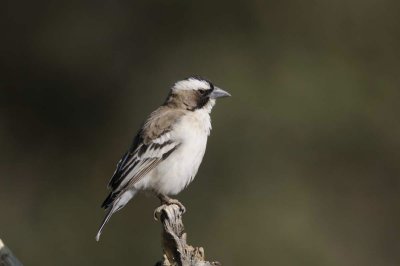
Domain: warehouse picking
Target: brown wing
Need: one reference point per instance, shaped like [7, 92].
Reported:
[153, 144]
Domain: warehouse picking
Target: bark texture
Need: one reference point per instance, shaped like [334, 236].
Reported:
[176, 250]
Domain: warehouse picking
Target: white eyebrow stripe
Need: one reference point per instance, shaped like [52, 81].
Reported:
[191, 84]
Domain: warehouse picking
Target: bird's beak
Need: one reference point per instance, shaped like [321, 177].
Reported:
[218, 93]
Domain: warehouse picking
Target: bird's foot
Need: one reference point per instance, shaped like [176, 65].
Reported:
[177, 202]
[165, 201]
[157, 212]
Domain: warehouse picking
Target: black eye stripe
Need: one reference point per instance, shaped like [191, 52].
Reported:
[204, 92]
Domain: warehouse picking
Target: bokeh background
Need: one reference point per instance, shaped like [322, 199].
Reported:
[302, 167]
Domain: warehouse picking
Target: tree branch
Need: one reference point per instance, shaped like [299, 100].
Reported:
[176, 250]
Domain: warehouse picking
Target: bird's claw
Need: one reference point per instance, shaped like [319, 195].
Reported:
[157, 212]
[176, 202]
[165, 203]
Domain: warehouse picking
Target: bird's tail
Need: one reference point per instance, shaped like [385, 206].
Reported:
[118, 203]
[110, 211]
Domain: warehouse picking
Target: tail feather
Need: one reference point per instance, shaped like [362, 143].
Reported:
[109, 200]
[112, 204]
[110, 211]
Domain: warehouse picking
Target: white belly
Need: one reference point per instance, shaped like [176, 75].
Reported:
[178, 170]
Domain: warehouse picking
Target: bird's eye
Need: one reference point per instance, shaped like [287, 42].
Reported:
[202, 92]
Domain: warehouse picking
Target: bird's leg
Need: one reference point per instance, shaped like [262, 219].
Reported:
[165, 200]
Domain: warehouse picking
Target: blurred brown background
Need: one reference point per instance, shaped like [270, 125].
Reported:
[302, 167]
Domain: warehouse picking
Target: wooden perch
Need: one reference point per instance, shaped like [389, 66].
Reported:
[176, 251]
[7, 258]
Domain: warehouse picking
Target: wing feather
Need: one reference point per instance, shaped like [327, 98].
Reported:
[140, 162]
[153, 144]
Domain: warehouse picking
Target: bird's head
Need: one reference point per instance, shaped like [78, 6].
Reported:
[194, 93]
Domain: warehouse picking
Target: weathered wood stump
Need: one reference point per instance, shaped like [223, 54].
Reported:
[176, 250]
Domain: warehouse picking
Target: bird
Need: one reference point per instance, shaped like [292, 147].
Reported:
[166, 153]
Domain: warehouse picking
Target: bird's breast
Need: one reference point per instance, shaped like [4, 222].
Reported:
[178, 170]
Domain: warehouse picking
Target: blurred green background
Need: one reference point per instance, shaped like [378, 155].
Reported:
[302, 166]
